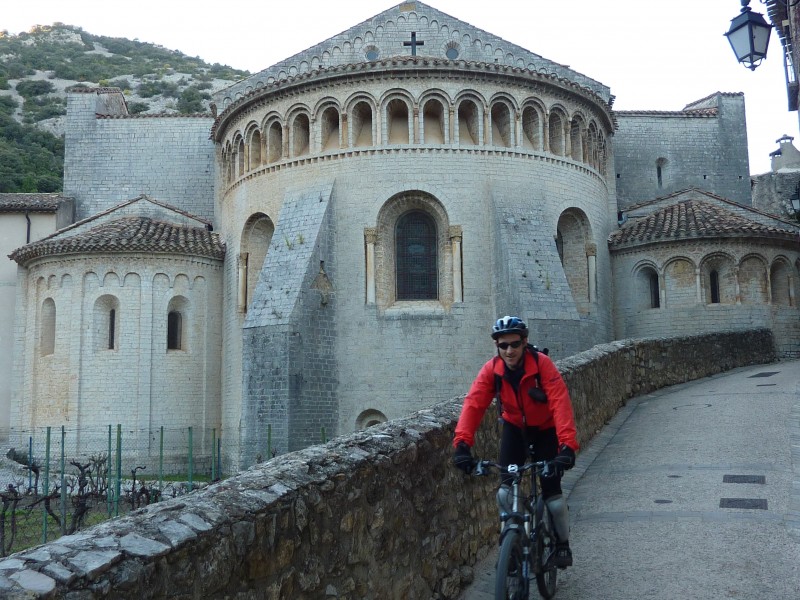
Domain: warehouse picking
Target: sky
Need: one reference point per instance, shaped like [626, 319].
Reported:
[653, 55]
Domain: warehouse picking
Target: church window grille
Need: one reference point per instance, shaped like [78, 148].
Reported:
[416, 255]
[174, 330]
[47, 335]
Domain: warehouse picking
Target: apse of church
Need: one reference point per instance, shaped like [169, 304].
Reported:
[379, 199]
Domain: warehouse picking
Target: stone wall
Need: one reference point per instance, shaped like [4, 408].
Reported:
[379, 513]
[704, 146]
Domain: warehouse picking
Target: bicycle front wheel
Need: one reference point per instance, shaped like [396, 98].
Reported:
[511, 582]
[545, 568]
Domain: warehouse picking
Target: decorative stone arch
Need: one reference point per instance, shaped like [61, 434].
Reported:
[578, 257]
[105, 323]
[397, 110]
[647, 289]
[557, 131]
[680, 282]
[252, 136]
[370, 417]
[469, 111]
[503, 120]
[47, 327]
[593, 146]
[299, 120]
[533, 112]
[752, 279]
[718, 278]
[256, 237]
[274, 139]
[435, 111]
[577, 138]
[781, 282]
[329, 117]
[361, 126]
[239, 156]
[178, 318]
[382, 251]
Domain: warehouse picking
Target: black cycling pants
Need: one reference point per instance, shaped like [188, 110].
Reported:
[513, 451]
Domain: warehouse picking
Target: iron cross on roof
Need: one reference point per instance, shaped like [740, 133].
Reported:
[413, 43]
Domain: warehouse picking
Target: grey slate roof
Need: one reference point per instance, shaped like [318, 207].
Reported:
[389, 30]
[126, 235]
[30, 202]
[693, 219]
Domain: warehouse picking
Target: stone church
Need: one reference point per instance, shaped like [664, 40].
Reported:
[329, 248]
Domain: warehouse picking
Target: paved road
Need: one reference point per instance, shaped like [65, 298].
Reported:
[645, 495]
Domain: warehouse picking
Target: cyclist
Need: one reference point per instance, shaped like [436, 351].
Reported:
[535, 409]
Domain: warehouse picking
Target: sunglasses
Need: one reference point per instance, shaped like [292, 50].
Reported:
[505, 345]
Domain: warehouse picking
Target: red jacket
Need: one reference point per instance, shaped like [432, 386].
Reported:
[557, 412]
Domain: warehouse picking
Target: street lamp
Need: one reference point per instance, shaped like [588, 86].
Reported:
[749, 37]
[795, 200]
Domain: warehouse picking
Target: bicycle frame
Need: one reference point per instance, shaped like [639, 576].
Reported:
[527, 519]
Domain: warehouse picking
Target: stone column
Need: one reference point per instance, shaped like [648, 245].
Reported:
[452, 128]
[344, 137]
[769, 287]
[699, 285]
[738, 289]
[591, 259]
[370, 238]
[415, 137]
[455, 244]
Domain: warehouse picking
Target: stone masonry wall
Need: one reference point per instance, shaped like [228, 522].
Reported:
[379, 513]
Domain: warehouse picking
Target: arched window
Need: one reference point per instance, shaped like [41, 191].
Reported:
[713, 282]
[106, 323]
[661, 165]
[174, 330]
[417, 274]
[47, 333]
[655, 299]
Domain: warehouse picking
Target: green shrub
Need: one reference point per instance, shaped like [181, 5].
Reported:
[36, 87]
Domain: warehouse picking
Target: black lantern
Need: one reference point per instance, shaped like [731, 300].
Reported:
[749, 37]
[795, 200]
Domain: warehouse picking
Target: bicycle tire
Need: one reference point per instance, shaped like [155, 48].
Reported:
[545, 569]
[510, 580]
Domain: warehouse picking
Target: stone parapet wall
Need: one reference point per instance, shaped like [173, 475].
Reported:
[379, 513]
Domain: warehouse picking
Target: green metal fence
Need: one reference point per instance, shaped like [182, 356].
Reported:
[60, 480]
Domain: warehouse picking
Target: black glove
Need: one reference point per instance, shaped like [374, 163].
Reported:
[462, 458]
[564, 460]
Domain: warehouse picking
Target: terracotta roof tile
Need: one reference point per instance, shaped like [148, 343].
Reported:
[129, 234]
[30, 202]
[692, 219]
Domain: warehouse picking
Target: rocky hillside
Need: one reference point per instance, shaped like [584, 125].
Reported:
[36, 67]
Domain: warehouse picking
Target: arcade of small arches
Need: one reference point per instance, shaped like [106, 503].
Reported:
[397, 118]
[719, 278]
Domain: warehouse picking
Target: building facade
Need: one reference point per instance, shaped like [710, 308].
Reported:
[377, 201]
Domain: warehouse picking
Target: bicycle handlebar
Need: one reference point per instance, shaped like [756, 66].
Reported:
[543, 467]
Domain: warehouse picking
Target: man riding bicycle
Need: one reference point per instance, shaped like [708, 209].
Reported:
[536, 410]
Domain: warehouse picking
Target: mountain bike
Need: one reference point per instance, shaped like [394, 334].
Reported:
[527, 538]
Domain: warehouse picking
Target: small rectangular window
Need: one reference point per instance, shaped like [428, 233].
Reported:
[174, 333]
[112, 321]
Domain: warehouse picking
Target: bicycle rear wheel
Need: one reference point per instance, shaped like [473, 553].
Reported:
[545, 568]
[510, 580]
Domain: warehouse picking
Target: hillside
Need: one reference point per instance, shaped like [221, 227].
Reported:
[38, 66]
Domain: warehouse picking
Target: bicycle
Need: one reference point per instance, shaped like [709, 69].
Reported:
[527, 538]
